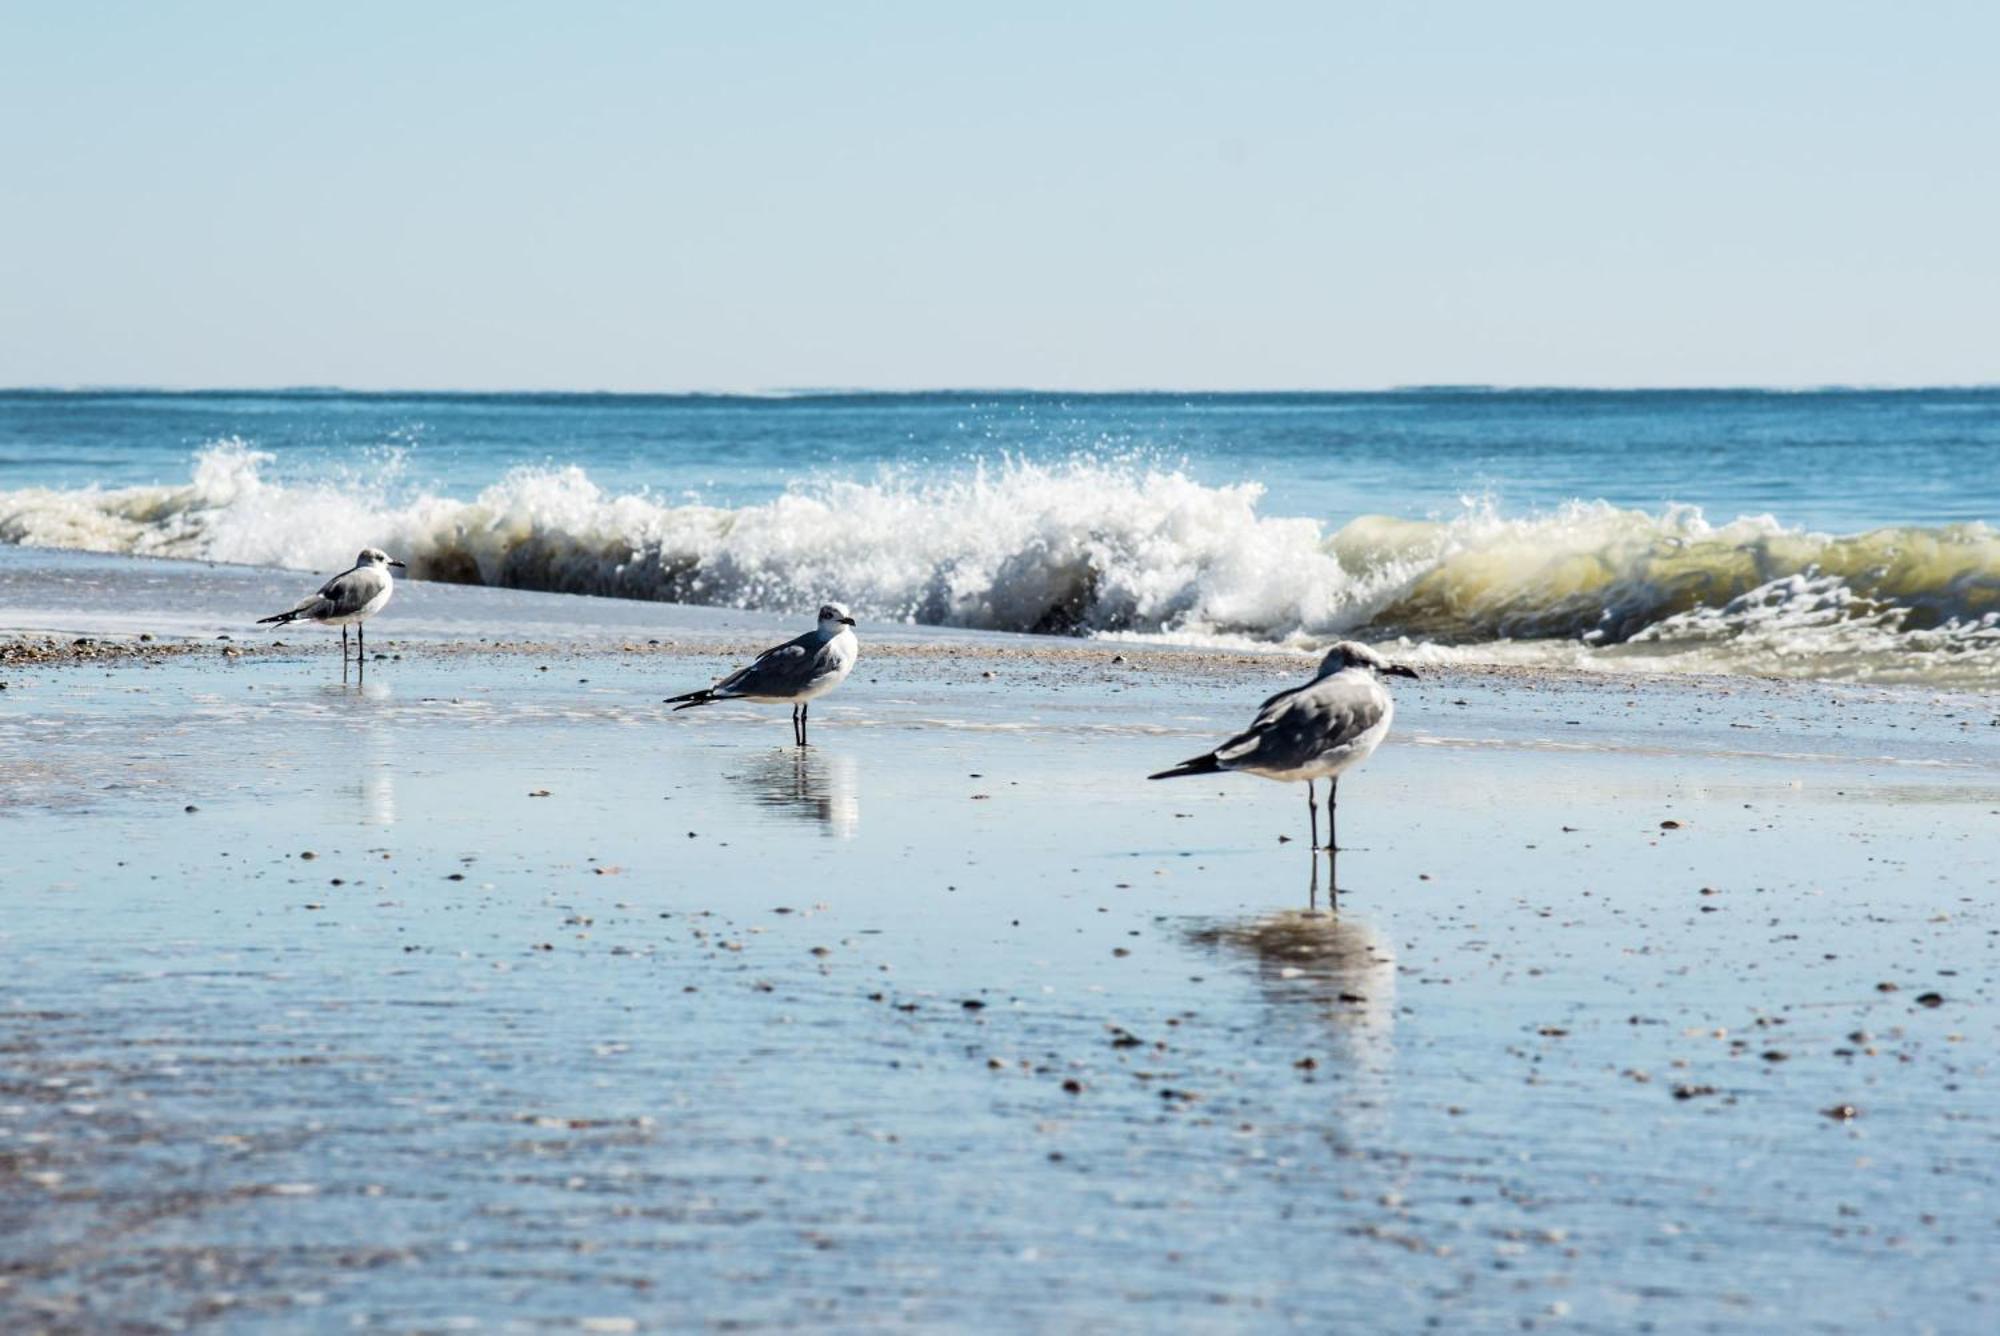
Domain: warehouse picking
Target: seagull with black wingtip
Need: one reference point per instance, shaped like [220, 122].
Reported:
[796, 672]
[348, 599]
[1317, 731]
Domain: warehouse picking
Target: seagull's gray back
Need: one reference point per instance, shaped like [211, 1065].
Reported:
[784, 671]
[1326, 724]
[349, 592]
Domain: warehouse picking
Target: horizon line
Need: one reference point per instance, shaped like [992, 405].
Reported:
[779, 393]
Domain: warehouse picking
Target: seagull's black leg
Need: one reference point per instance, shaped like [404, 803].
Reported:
[1312, 814]
[343, 646]
[805, 708]
[1332, 808]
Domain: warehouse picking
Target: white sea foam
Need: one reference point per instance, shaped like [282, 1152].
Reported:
[1121, 548]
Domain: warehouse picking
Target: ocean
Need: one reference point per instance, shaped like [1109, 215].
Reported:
[1840, 534]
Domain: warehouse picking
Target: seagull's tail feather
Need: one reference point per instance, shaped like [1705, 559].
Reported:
[282, 618]
[1200, 765]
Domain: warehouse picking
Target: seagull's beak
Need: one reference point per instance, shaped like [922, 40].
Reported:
[847, 621]
[1398, 670]
[399, 565]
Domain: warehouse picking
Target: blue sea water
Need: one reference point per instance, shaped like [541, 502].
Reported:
[1833, 532]
[1836, 460]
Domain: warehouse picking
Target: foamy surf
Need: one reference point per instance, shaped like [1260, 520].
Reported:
[1089, 547]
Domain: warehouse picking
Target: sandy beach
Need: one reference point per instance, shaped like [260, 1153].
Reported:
[486, 992]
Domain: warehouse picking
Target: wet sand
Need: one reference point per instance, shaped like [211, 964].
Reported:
[488, 994]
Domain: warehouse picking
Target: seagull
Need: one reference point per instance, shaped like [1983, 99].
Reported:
[349, 598]
[796, 671]
[1317, 731]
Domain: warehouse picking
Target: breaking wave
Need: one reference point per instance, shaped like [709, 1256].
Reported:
[1089, 547]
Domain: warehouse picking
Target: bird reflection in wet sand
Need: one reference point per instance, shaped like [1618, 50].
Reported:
[360, 709]
[809, 785]
[1340, 967]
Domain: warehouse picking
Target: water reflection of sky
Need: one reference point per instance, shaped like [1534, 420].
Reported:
[591, 997]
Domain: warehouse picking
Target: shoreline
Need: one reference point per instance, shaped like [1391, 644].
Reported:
[26, 649]
[66, 593]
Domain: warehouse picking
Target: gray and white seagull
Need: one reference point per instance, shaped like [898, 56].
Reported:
[796, 672]
[348, 599]
[1317, 731]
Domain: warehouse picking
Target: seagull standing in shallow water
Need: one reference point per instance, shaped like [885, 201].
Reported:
[796, 671]
[348, 599]
[1317, 731]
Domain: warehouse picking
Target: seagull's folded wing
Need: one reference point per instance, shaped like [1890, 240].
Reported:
[1296, 728]
[780, 671]
[350, 591]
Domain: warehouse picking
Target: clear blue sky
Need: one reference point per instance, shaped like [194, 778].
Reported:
[652, 196]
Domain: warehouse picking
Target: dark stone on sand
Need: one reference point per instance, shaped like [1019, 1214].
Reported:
[1845, 1113]
[1930, 999]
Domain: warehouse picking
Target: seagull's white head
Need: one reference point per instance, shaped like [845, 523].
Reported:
[833, 619]
[375, 556]
[1354, 654]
